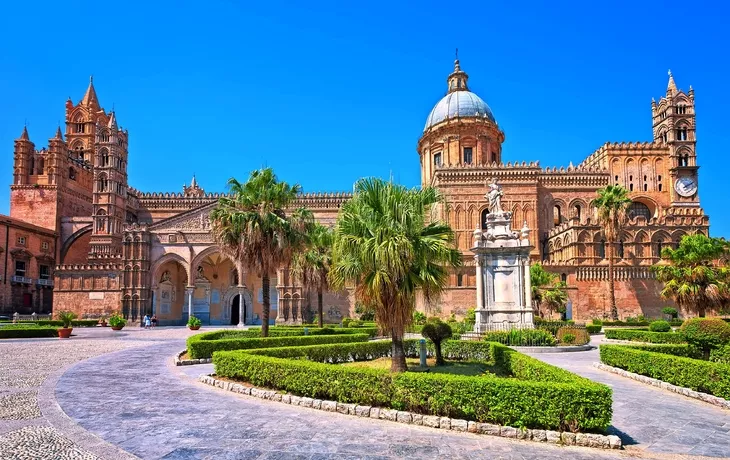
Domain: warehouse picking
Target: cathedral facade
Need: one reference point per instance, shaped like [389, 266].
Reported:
[115, 248]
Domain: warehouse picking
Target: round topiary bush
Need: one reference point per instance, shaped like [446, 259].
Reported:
[660, 326]
[706, 333]
[437, 331]
[721, 355]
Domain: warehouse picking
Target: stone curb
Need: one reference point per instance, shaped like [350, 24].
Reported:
[445, 423]
[190, 362]
[714, 400]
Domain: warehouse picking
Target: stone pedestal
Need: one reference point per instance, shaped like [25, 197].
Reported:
[502, 275]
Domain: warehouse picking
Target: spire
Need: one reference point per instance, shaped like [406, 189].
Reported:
[24, 136]
[90, 99]
[671, 86]
[193, 183]
[112, 120]
[58, 133]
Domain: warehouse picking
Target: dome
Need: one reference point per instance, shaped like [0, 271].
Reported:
[458, 104]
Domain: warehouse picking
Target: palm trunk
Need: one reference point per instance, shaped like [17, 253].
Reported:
[267, 305]
[439, 357]
[398, 354]
[319, 305]
[611, 293]
[701, 310]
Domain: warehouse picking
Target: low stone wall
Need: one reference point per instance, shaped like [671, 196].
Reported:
[714, 400]
[445, 423]
[189, 362]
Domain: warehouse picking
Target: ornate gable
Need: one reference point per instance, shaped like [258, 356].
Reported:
[194, 221]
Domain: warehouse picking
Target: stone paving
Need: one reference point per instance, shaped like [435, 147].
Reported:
[134, 403]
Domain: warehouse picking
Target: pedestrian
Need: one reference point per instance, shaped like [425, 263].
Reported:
[154, 320]
[147, 322]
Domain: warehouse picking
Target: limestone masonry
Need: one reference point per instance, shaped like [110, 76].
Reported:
[78, 228]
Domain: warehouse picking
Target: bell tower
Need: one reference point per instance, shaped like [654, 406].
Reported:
[674, 126]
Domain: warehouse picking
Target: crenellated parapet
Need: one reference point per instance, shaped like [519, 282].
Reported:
[322, 200]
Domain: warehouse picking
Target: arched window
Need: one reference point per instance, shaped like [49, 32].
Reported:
[460, 279]
[484, 219]
[564, 277]
[557, 217]
[103, 183]
[494, 157]
[468, 151]
[621, 249]
[32, 166]
[602, 249]
[576, 211]
[682, 134]
[639, 209]
[658, 248]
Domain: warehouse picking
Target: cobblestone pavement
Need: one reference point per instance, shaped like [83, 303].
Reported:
[135, 400]
[655, 420]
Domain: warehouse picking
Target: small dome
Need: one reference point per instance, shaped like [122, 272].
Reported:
[459, 104]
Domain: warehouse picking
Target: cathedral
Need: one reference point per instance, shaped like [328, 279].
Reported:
[80, 238]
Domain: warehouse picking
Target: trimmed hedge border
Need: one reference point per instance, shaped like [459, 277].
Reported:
[190, 362]
[10, 332]
[433, 421]
[593, 328]
[539, 395]
[658, 363]
[633, 335]
[202, 346]
[684, 391]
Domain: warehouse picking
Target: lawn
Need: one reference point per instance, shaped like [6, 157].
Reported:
[471, 368]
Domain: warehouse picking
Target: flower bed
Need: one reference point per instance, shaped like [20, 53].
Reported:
[634, 335]
[203, 345]
[661, 362]
[27, 331]
[537, 395]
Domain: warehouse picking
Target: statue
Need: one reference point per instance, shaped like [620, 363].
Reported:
[494, 195]
[166, 276]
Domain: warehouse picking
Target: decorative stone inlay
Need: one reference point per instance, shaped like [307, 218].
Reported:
[20, 406]
[32, 442]
[190, 362]
[432, 421]
[714, 400]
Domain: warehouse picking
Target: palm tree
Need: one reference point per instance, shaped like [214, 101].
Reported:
[251, 227]
[692, 275]
[546, 289]
[388, 245]
[611, 205]
[312, 264]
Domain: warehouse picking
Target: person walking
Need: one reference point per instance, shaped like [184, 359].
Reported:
[154, 320]
[147, 321]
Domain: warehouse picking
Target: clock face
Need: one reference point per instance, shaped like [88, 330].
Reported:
[686, 186]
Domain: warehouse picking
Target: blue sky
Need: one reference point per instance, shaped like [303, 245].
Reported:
[327, 92]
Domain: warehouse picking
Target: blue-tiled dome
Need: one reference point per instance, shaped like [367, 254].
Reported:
[459, 104]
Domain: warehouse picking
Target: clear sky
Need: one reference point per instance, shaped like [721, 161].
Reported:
[326, 93]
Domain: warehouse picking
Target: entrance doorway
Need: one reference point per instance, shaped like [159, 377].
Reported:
[235, 309]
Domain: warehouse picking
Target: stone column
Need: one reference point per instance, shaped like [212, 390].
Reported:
[241, 290]
[189, 291]
[479, 282]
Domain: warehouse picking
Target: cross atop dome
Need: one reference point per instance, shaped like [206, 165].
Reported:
[457, 80]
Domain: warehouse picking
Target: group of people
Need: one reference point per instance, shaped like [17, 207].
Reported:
[149, 321]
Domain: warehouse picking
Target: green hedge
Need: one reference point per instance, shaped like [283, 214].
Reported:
[522, 338]
[539, 395]
[26, 332]
[625, 323]
[203, 346]
[593, 328]
[645, 336]
[74, 323]
[676, 349]
[699, 375]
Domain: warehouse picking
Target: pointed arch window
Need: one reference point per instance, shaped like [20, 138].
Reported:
[484, 215]
[557, 216]
[602, 249]
[658, 247]
[682, 134]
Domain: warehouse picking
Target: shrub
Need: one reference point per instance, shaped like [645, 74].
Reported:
[66, 317]
[418, 317]
[660, 326]
[721, 355]
[74, 323]
[671, 312]
[194, 322]
[203, 345]
[522, 338]
[706, 333]
[437, 331]
[568, 338]
[27, 331]
[634, 335]
[624, 323]
[580, 335]
[699, 375]
[116, 320]
[593, 328]
[597, 322]
[540, 395]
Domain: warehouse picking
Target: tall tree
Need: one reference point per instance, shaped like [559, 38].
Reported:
[252, 227]
[693, 274]
[547, 290]
[312, 264]
[611, 205]
[389, 247]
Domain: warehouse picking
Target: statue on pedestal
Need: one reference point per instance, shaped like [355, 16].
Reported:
[494, 195]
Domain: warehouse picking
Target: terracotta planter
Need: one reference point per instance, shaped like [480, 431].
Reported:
[193, 328]
[64, 332]
[102, 324]
[117, 328]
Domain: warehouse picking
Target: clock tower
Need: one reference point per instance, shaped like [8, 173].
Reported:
[674, 125]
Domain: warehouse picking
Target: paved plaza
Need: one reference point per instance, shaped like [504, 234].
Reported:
[106, 395]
